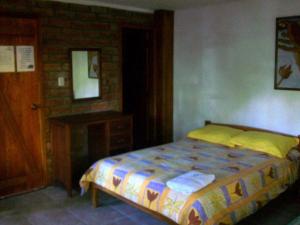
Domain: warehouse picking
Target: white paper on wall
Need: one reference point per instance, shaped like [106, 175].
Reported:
[25, 58]
[7, 59]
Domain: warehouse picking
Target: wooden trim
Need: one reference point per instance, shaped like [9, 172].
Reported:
[163, 74]
[60, 152]
[21, 192]
[136, 26]
[207, 122]
[42, 113]
[13, 181]
[247, 128]
[131, 136]
[68, 173]
[157, 215]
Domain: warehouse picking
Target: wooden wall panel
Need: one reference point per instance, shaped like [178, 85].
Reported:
[163, 74]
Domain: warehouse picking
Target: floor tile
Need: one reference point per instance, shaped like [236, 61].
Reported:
[124, 222]
[52, 206]
[26, 202]
[91, 216]
[147, 219]
[55, 216]
[56, 193]
[14, 220]
[125, 209]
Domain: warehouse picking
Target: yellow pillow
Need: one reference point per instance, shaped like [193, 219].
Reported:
[273, 144]
[215, 134]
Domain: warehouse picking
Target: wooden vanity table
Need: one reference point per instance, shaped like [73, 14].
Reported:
[100, 135]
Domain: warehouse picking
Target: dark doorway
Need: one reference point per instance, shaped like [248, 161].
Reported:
[137, 72]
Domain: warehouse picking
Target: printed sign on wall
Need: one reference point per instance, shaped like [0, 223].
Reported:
[25, 58]
[7, 59]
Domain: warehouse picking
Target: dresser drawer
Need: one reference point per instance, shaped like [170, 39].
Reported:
[120, 126]
[120, 141]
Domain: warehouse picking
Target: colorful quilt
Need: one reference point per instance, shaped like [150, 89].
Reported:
[245, 180]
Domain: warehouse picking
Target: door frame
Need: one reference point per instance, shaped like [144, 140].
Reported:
[138, 27]
[151, 100]
[161, 76]
[43, 119]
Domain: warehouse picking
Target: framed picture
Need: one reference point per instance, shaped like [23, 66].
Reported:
[93, 64]
[287, 55]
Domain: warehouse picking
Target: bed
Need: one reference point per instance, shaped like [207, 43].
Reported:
[245, 180]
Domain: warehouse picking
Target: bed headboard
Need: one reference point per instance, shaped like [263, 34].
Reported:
[246, 128]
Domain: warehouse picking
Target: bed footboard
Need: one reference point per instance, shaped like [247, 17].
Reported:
[95, 189]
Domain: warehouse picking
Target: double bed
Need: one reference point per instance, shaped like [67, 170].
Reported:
[245, 180]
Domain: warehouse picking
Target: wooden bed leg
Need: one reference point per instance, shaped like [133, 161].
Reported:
[95, 201]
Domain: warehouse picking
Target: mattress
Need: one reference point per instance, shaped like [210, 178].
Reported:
[245, 180]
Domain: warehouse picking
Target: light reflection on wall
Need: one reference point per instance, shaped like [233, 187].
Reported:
[224, 67]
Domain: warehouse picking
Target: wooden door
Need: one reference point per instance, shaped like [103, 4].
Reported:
[21, 158]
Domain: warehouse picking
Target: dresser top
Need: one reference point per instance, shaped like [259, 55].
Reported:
[89, 117]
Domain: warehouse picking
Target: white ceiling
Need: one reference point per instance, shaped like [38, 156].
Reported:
[146, 5]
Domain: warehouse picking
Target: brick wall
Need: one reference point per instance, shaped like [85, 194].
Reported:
[65, 26]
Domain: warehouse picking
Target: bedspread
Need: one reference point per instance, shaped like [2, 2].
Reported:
[245, 180]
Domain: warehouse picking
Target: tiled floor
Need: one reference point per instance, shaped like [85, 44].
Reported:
[51, 206]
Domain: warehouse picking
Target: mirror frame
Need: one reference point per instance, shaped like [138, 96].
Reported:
[99, 78]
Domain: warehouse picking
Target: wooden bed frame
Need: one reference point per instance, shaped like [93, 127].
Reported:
[96, 188]
[95, 201]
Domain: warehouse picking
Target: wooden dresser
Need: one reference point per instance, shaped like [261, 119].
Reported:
[79, 140]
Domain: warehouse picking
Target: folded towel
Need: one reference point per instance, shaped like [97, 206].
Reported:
[190, 182]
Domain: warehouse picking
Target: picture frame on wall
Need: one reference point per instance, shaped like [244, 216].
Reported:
[287, 53]
[93, 64]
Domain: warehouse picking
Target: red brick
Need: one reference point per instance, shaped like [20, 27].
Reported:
[110, 66]
[58, 92]
[64, 26]
[58, 102]
[54, 22]
[100, 106]
[81, 108]
[52, 67]
[60, 111]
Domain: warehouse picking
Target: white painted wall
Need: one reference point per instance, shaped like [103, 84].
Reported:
[224, 67]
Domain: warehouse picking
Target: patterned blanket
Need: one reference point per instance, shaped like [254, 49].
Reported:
[245, 180]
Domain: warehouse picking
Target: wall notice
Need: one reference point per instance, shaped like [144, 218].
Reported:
[25, 58]
[7, 59]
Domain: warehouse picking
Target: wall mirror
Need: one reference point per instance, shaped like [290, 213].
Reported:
[86, 73]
